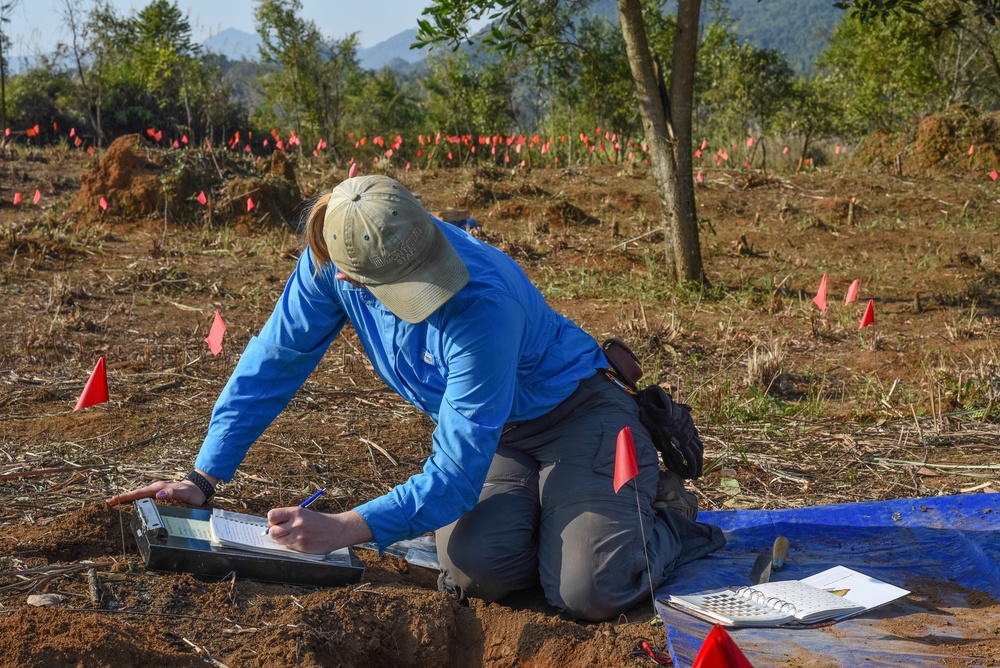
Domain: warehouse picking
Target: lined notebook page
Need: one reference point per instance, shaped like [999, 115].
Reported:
[244, 532]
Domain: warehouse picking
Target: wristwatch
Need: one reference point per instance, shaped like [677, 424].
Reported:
[202, 483]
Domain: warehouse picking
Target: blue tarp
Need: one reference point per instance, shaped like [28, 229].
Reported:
[945, 550]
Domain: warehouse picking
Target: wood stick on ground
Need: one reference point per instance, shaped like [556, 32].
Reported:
[208, 657]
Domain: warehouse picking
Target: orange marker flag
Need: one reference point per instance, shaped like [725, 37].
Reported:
[625, 466]
[38, 196]
[103, 203]
[201, 198]
[353, 171]
[852, 292]
[720, 651]
[820, 298]
[250, 204]
[215, 335]
[869, 317]
[17, 198]
[96, 389]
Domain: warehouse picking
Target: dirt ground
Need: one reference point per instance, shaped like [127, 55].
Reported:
[796, 406]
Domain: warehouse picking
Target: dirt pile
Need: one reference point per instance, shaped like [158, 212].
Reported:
[137, 181]
[50, 637]
[128, 182]
[939, 144]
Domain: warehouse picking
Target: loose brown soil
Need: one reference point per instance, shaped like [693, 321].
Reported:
[796, 406]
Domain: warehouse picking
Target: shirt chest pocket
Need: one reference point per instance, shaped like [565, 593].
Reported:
[422, 362]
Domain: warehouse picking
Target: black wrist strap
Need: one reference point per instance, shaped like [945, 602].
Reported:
[202, 483]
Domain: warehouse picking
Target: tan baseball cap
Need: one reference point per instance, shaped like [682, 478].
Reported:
[380, 235]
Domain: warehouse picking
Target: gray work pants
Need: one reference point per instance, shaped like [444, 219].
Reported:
[548, 513]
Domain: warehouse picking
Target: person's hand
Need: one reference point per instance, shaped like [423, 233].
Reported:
[305, 530]
[184, 491]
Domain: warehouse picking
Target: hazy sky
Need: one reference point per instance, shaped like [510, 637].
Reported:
[37, 25]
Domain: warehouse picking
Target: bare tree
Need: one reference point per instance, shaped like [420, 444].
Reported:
[6, 8]
[78, 38]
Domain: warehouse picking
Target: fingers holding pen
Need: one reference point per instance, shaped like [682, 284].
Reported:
[301, 529]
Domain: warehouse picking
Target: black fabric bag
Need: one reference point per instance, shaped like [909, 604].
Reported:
[668, 422]
[673, 431]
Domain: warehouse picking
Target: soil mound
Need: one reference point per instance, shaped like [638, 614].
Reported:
[137, 181]
[939, 144]
[128, 182]
[48, 637]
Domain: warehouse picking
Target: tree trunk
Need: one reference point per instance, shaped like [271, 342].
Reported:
[3, 89]
[688, 244]
[669, 138]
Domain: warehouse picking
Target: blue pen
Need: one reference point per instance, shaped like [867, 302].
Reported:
[304, 504]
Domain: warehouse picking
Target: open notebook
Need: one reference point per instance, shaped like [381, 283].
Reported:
[243, 532]
[836, 593]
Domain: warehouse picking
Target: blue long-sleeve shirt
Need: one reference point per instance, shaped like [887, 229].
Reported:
[494, 353]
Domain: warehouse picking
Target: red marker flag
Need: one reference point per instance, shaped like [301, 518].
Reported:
[972, 149]
[353, 171]
[201, 198]
[214, 338]
[994, 175]
[785, 150]
[700, 177]
[852, 292]
[820, 298]
[720, 651]
[38, 196]
[103, 203]
[17, 198]
[625, 466]
[250, 204]
[837, 151]
[869, 317]
[96, 389]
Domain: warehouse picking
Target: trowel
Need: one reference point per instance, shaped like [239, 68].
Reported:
[769, 562]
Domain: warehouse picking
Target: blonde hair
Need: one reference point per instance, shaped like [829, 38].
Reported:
[314, 231]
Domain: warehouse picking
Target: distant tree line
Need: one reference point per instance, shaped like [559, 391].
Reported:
[119, 74]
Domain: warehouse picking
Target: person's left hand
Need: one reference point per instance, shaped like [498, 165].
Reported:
[305, 530]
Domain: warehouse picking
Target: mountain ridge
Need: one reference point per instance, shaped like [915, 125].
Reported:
[800, 29]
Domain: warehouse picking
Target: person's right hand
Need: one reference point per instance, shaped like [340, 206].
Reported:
[184, 491]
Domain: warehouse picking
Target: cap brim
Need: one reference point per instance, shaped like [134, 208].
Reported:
[426, 288]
